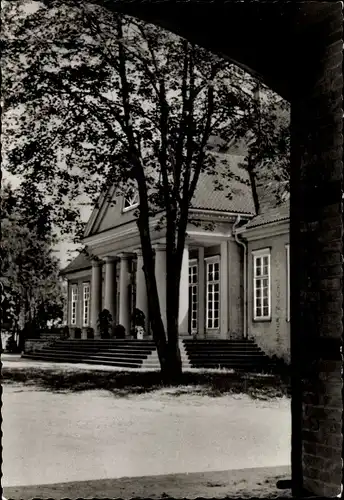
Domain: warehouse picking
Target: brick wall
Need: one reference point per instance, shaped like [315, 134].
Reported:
[316, 253]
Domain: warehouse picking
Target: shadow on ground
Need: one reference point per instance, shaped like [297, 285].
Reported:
[123, 383]
[244, 483]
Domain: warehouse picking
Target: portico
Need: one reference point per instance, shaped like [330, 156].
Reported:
[117, 283]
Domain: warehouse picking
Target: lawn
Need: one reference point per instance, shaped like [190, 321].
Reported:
[87, 429]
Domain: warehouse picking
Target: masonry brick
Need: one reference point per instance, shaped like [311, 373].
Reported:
[327, 476]
[317, 229]
[314, 441]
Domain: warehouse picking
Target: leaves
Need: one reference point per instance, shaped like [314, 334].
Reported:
[63, 96]
[30, 278]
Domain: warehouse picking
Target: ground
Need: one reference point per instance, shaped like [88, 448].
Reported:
[228, 445]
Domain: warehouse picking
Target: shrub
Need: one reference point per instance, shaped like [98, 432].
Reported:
[64, 333]
[90, 333]
[11, 345]
[77, 333]
[119, 332]
[104, 323]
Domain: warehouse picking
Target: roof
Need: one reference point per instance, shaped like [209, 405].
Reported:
[276, 214]
[206, 197]
[82, 261]
[241, 200]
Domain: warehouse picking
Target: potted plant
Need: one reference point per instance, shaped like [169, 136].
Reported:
[104, 323]
[77, 333]
[89, 332]
[119, 332]
[139, 323]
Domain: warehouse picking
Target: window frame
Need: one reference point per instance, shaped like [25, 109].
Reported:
[131, 195]
[85, 286]
[260, 254]
[194, 263]
[208, 261]
[287, 249]
[74, 299]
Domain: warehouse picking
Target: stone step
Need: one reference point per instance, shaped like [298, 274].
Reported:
[104, 357]
[58, 359]
[232, 354]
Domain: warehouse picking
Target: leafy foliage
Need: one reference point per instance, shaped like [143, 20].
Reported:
[97, 102]
[31, 287]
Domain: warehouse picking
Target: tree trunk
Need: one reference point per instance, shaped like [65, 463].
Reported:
[154, 311]
[174, 362]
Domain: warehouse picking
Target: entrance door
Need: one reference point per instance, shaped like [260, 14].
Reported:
[193, 295]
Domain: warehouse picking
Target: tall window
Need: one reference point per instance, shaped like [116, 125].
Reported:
[86, 304]
[74, 304]
[193, 294]
[261, 285]
[131, 200]
[213, 293]
[287, 248]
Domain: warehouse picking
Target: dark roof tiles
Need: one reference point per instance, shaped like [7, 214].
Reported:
[276, 214]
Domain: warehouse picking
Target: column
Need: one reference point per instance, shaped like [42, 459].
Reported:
[201, 294]
[96, 294]
[224, 290]
[184, 293]
[110, 286]
[160, 275]
[124, 303]
[141, 289]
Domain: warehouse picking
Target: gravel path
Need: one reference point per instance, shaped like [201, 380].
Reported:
[54, 437]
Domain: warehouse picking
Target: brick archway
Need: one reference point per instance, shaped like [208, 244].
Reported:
[297, 50]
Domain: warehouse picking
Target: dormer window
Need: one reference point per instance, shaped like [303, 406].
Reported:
[131, 200]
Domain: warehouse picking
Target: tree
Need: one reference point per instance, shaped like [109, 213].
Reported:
[95, 99]
[32, 293]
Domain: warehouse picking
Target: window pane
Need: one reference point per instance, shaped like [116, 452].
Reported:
[266, 261]
[265, 302]
[266, 311]
[258, 284]
[216, 323]
[265, 271]
[258, 271]
[265, 282]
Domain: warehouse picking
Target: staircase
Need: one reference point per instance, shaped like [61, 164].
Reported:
[236, 354]
[152, 361]
[122, 353]
[232, 354]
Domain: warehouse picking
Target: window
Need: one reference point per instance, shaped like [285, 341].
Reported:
[74, 304]
[86, 304]
[261, 285]
[131, 200]
[213, 294]
[193, 294]
[287, 248]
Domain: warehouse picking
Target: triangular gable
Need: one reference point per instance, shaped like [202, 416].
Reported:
[108, 214]
[94, 217]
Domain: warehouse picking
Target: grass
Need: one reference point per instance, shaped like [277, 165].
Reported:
[124, 383]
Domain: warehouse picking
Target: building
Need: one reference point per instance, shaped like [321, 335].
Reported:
[235, 275]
